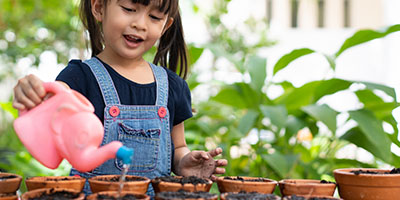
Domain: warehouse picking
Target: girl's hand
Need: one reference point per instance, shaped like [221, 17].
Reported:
[28, 93]
[202, 164]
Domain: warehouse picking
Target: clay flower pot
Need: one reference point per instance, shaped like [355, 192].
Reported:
[114, 195]
[247, 184]
[181, 194]
[248, 195]
[175, 183]
[306, 187]
[9, 183]
[315, 197]
[53, 193]
[8, 196]
[137, 184]
[367, 186]
[66, 182]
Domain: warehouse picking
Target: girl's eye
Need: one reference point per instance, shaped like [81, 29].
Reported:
[155, 17]
[128, 9]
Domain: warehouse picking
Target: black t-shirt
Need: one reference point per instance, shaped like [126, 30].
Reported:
[80, 78]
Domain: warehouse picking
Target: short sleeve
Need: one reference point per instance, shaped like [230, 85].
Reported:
[183, 105]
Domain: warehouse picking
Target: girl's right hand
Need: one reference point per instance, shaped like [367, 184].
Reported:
[28, 93]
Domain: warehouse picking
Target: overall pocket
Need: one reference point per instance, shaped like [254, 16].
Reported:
[145, 143]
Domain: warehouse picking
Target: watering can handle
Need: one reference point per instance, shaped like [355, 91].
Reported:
[52, 87]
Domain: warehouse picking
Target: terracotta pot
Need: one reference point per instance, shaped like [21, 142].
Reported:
[48, 191]
[306, 187]
[138, 184]
[10, 184]
[8, 196]
[114, 194]
[252, 195]
[367, 186]
[66, 182]
[177, 195]
[267, 186]
[164, 186]
[305, 197]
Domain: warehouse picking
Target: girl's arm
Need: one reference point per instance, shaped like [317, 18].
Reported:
[194, 163]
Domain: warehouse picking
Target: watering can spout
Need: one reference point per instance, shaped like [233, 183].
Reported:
[93, 157]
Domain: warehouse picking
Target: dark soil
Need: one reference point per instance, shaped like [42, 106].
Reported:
[60, 179]
[127, 179]
[184, 180]
[6, 194]
[250, 196]
[294, 197]
[125, 197]
[181, 194]
[7, 177]
[393, 171]
[238, 178]
[60, 195]
[326, 182]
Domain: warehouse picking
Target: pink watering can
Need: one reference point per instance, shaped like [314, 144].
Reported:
[64, 126]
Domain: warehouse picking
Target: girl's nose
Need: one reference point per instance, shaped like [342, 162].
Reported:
[139, 22]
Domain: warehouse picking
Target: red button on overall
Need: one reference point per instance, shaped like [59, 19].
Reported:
[162, 112]
[114, 111]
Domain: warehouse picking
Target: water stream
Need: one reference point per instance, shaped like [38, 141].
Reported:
[125, 169]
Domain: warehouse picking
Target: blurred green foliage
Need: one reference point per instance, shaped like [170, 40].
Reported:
[234, 111]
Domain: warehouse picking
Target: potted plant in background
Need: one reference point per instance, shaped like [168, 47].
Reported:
[176, 183]
[368, 183]
[306, 187]
[66, 182]
[246, 184]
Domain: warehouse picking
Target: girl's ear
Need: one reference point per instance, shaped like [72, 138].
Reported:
[168, 24]
[97, 9]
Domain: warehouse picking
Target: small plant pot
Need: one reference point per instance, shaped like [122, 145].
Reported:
[137, 184]
[307, 197]
[247, 184]
[53, 193]
[66, 182]
[8, 196]
[306, 187]
[248, 195]
[356, 185]
[9, 183]
[181, 194]
[114, 195]
[176, 183]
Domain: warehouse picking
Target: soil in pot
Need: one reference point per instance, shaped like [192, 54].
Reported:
[182, 194]
[367, 183]
[296, 197]
[132, 183]
[114, 195]
[247, 184]
[248, 196]
[66, 182]
[306, 187]
[9, 183]
[176, 183]
[8, 196]
[53, 194]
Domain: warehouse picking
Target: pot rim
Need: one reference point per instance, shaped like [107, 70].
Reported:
[346, 172]
[57, 179]
[94, 179]
[2, 174]
[209, 181]
[305, 182]
[46, 190]
[266, 181]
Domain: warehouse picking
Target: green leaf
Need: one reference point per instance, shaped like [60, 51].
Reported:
[230, 96]
[331, 86]
[388, 90]
[296, 98]
[257, 67]
[288, 58]
[363, 36]
[194, 54]
[373, 131]
[277, 114]
[293, 125]
[323, 113]
[7, 106]
[280, 163]
[247, 121]
[331, 60]
[359, 138]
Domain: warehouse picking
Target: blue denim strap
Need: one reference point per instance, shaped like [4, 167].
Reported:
[162, 85]
[110, 95]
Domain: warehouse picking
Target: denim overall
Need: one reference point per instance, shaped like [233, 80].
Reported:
[145, 128]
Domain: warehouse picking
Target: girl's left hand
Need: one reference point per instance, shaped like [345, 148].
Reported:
[202, 164]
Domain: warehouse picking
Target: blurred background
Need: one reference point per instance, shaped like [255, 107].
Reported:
[288, 88]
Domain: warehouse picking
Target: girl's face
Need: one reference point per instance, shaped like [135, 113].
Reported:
[129, 29]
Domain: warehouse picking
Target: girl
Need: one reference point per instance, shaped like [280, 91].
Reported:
[141, 104]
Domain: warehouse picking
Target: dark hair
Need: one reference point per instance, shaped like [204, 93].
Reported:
[171, 50]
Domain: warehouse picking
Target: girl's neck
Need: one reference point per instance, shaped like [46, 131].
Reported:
[136, 70]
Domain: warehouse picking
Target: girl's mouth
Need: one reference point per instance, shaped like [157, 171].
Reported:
[132, 38]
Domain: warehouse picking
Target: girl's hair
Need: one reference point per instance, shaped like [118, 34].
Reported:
[171, 50]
